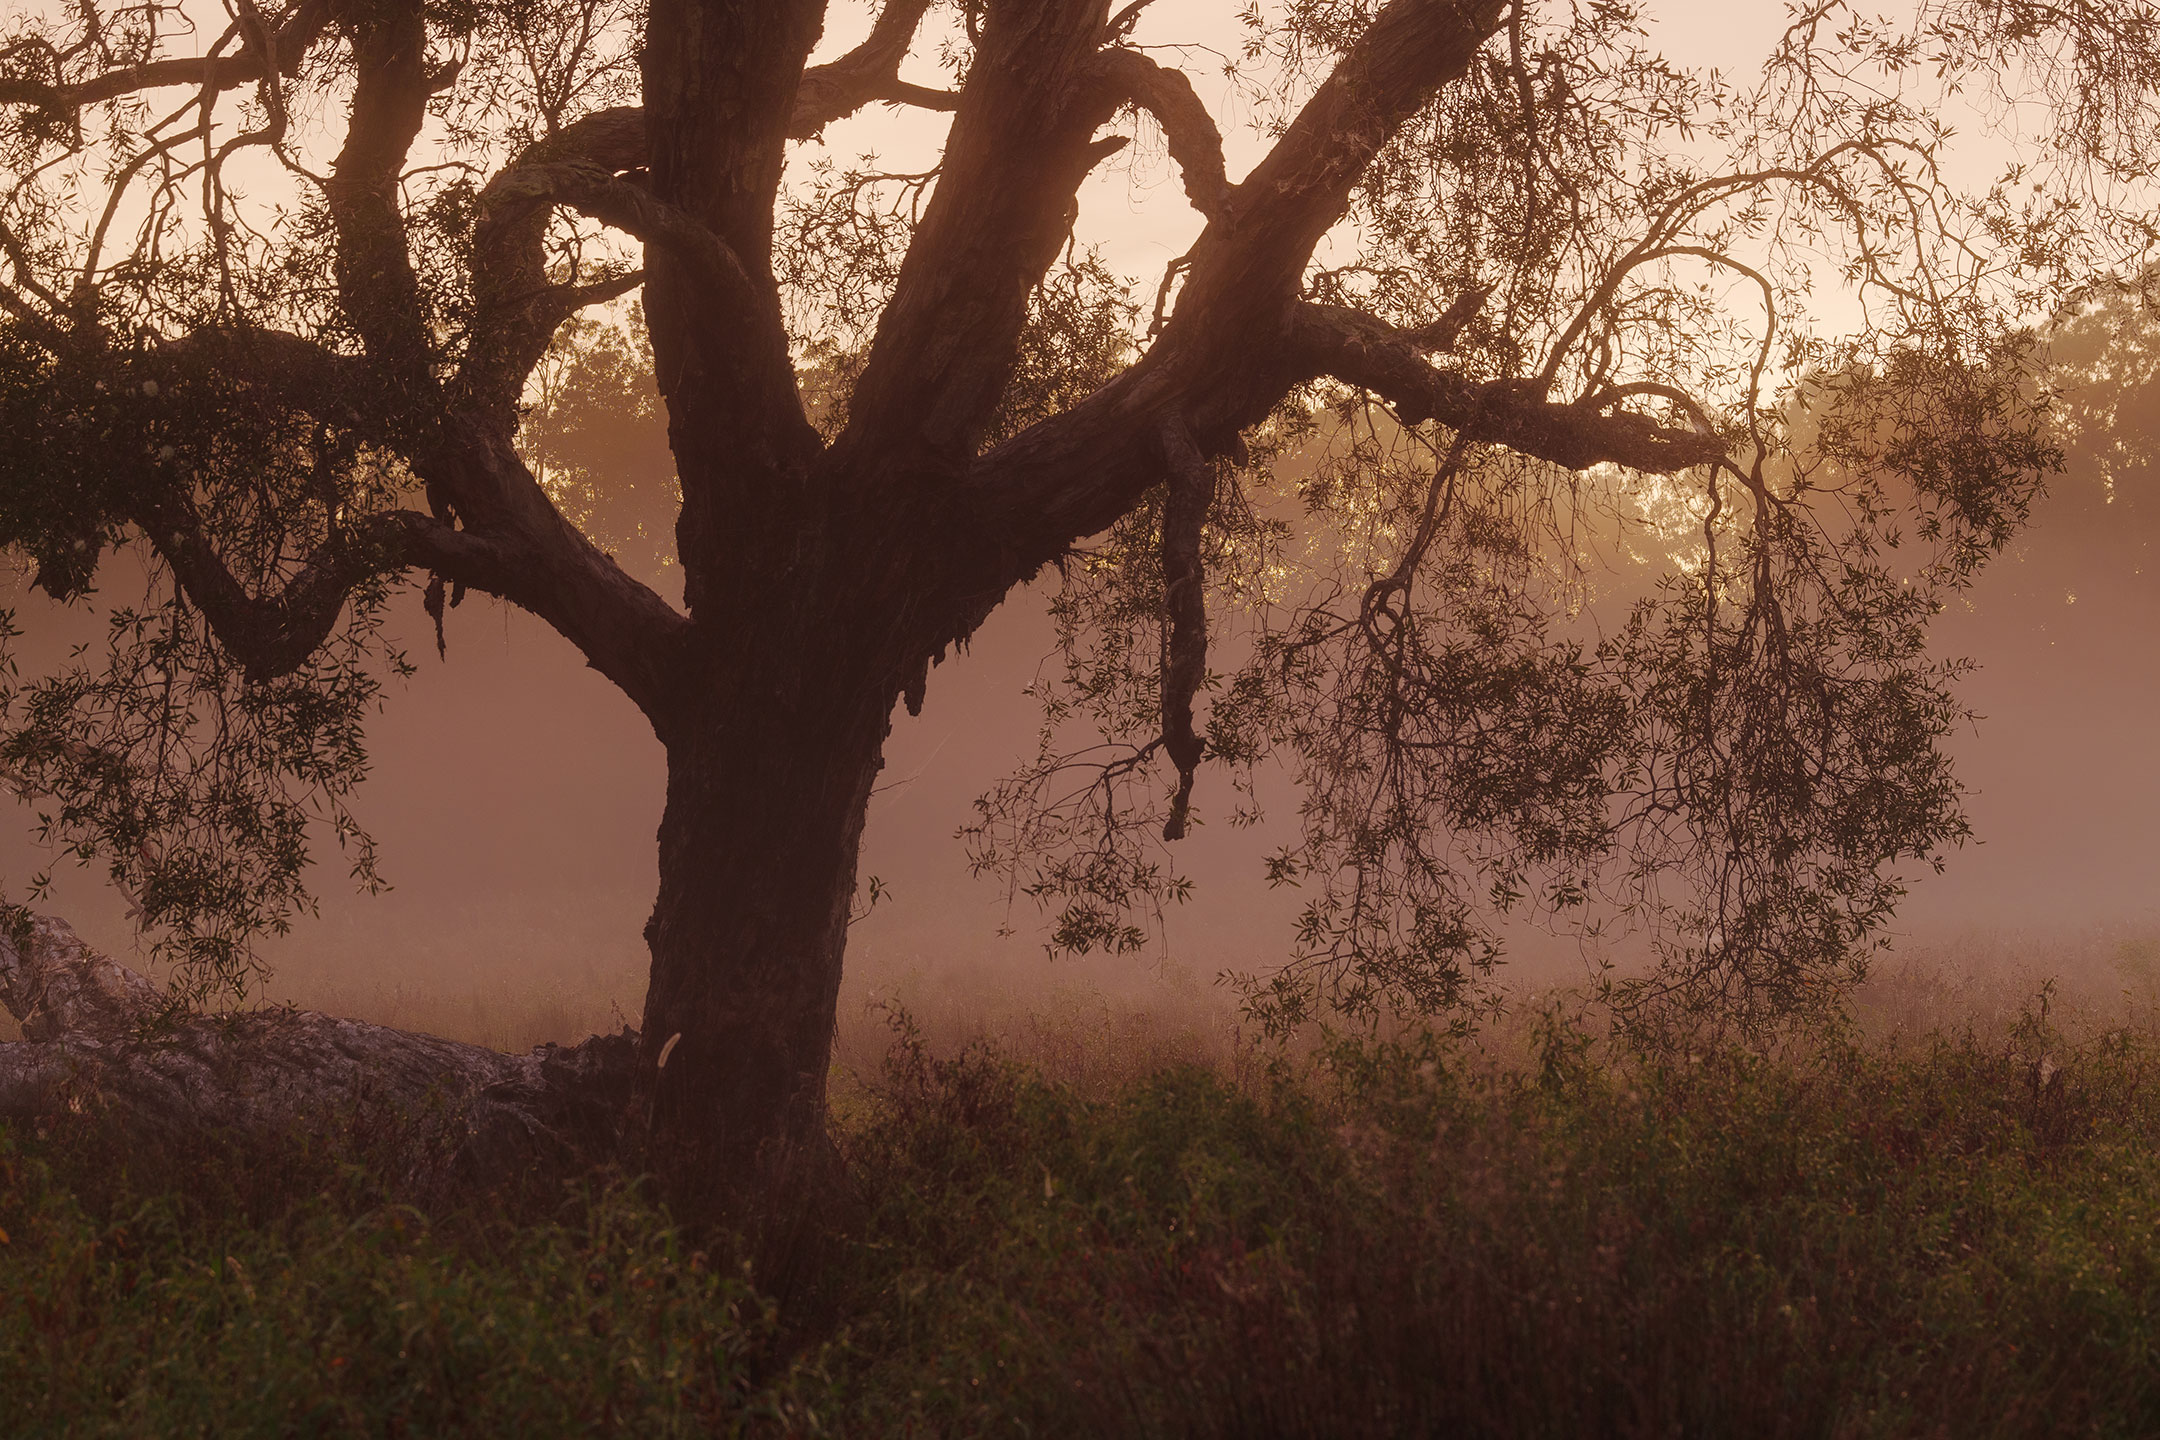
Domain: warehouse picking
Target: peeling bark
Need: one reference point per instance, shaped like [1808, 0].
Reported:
[100, 1041]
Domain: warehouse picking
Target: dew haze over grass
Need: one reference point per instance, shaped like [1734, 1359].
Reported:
[516, 798]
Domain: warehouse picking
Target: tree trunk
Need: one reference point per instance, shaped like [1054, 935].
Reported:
[765, 805]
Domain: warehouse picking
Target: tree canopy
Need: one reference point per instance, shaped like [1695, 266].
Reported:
[296, 305]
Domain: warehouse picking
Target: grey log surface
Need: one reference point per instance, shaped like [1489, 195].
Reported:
[98, 1040]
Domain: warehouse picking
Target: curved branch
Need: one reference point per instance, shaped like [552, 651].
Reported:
[516, 307]
[270, 635]
[629, 207]
[1278, 213]
[540, 563]
[515, 544]
[1195, 142]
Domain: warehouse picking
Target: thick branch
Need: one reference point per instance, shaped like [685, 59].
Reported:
[533, 558]
[375, 273]
[1195, 143]
[1074, 475]
[1226, 357]
[518, 546]
[870, 72]
[1243, 268]
[1020, 147]
[1352, 346]
[721, 82]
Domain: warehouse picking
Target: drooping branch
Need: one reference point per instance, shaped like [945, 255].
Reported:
[867, 74]
[1195, 142]
[1189, 490]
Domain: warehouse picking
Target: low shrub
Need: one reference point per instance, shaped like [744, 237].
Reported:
[1958, 1237]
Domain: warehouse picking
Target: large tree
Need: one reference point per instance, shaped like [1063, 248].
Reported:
[1505, 286]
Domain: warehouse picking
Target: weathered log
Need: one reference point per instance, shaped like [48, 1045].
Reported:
[102, 1041]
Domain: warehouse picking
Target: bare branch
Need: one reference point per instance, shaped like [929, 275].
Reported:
[289, 43]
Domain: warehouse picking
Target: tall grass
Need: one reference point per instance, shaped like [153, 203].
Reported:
[1891, 1232]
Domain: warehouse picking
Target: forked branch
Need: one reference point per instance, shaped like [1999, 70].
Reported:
[867, 74]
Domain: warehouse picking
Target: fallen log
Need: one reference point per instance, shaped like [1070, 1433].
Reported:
[101, 1040]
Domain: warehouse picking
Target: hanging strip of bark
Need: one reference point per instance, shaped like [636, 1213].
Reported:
[1191, 489]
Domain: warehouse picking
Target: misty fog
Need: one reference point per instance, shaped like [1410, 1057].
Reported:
[516, 794]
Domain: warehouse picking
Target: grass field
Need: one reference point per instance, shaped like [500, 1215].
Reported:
[1101, 1228]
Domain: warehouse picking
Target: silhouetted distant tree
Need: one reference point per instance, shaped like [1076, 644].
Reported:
[277, 285]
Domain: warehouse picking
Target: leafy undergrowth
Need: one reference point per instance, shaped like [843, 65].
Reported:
[1956, 1237]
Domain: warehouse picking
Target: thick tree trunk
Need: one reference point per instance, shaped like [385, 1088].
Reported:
[765, 806]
